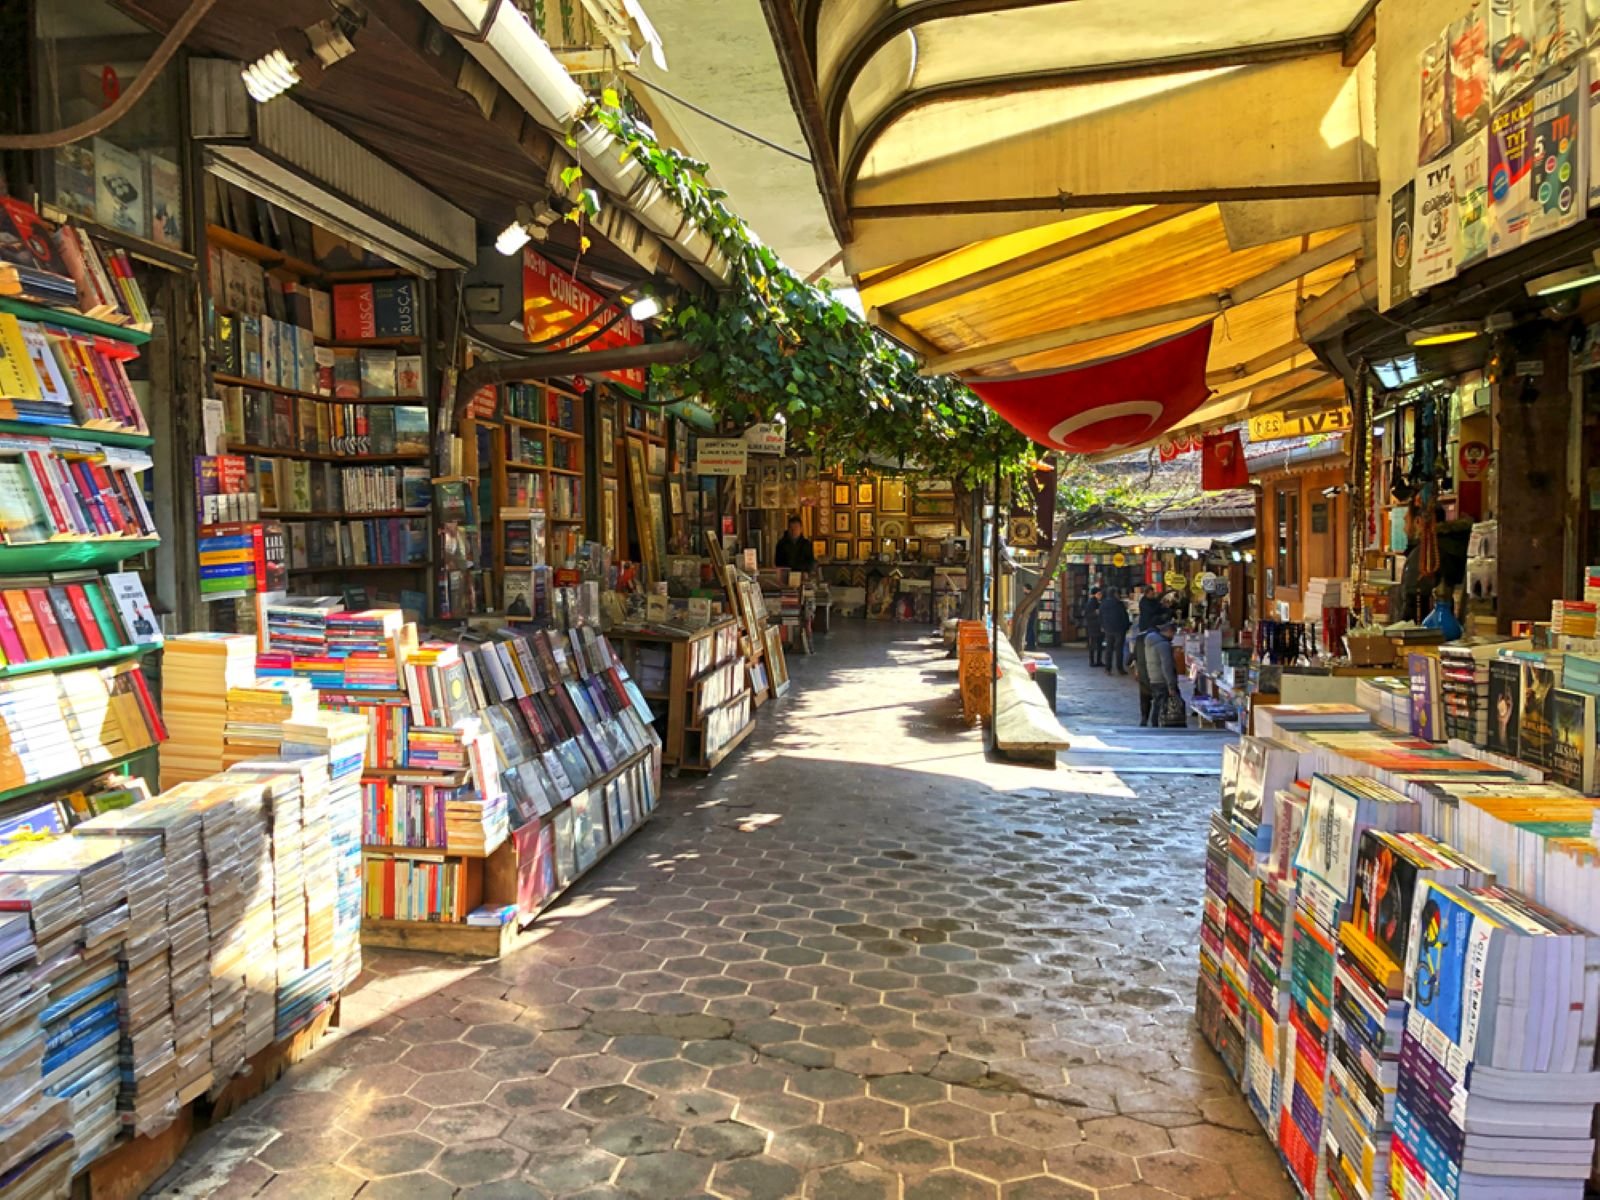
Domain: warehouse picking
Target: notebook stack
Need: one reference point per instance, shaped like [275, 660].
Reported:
[1339, 810]
[35, 1130]
[177, 828]
[1497, 1082]
[148, 1100]
[256, 713]
[283, 781]
[342, 739]
[198, 671]
[1369, 1009]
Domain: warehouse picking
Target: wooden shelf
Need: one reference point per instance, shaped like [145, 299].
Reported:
[353, 457]
[72, 320]
[523, 423]
[370, 343]
[565, 471]
[421, 566]
[564, 520]
[566, 433]
[429, 851]
[345, 516]
[513, 464]
[68, 778]
[106, 437]
[645, 436]
[732, 744]
[262, 386]
[227, 239]
[366, 274]
[440, 937]
[71, 554]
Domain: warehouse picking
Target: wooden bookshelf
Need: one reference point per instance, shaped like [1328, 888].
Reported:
[227, 239]
[419, 566]
[682, 707]
[526, 431]
[348, 515]
[352, 459]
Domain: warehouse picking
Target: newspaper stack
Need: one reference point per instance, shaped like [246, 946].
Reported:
[284, 783]
[176, 827]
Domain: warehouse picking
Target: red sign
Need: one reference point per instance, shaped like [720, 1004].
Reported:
[1223, 469]
[554, 302]
[1473, 458]
[1113, 404]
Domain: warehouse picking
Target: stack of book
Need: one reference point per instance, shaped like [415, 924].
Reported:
[55, 724]
[1464, 672]
[72, 615]
[148, 1100]
[1339, 810]
[1369, 1009]
[283, 782]
[1572, 618]
[198, 670]
[299, 624]
[66, 378]
[1217, 1008]
[256, 714]
[1497, 1082]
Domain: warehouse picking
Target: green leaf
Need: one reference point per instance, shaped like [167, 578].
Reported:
[571, 175]
[610, 98]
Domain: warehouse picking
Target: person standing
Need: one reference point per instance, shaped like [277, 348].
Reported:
[1162, 669]
[1114, 627]
[1089, 618]
[1151, 610]
[794, 549]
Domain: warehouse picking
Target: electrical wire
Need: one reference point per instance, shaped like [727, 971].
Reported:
[119, 107]
[716, 120]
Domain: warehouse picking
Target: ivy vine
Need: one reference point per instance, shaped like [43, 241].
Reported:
[772, 345]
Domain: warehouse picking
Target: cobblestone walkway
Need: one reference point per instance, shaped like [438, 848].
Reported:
[862, 964]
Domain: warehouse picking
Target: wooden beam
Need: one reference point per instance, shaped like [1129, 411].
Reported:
[903, 333]
[1150, 318]
[1067, 201]
[1042, 257]
[800, 77]
[1362, 35]
[1271, 381]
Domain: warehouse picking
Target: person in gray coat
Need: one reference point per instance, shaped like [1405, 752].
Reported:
[1160, 668]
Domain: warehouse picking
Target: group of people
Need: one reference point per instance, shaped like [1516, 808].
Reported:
[1106, 622]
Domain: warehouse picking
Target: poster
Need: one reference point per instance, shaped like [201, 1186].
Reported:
[119, 193]
[1511, 59]
[1433, 257]
[1400, 243]
[1469, 171]
[1557, 188]
[1469, 72]
[1510, 175]
[1433, 66]
[1559, 27]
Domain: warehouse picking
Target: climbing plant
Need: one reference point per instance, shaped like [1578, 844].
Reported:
[772, 345]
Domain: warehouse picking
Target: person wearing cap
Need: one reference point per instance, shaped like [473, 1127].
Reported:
[1161, 669]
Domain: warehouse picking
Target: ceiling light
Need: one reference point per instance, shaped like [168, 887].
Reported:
[644, 308]
[1444, 335]
[512, 238]
[301, 55]
[1237, 556]
[1397, 372]
[1564, 281]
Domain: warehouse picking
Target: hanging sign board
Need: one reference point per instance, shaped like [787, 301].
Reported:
[553, 302]
[721, 456]
[1433, 258]
[766, 439]
[1275, 427]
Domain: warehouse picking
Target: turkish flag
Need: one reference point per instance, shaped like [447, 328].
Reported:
[1113, 404]
[1222, 466]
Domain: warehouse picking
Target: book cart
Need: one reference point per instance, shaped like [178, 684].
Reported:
[698, 686]
[326, 413]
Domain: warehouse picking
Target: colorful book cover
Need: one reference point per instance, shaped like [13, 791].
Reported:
[1427, 723]
[1433, 66]
[1572, 732]
[1469, 71]
[138, 619]
[1505, 705]
[166, 201]
[1556, 187]
[74, 179]
[1535, 743]
[1436, 973]
[1510, 174]
[120, 201]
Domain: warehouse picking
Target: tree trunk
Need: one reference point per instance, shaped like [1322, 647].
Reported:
[1030, 598]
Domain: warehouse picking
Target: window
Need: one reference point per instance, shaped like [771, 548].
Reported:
[1287, 504]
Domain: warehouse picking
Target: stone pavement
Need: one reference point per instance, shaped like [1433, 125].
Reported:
[862, 963]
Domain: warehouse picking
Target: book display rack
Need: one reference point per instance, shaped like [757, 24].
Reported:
[539, 467]
[699, 690]
[322, 405]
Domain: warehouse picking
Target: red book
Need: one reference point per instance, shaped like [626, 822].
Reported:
[49, 627]
[79, 600]
[147, 704]
[10, 642]
[45, 484]
[355, 314]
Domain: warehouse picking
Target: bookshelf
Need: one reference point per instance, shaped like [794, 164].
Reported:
[699, 688]
[539, 467]
[316, 369]
[72, 320]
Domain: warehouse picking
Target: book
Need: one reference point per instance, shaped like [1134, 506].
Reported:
[1572, 732]
[1535, 745]
[1505, 702]
[139, 625]
[120, 201]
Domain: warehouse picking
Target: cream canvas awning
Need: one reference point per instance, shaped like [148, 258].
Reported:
[1021, 186]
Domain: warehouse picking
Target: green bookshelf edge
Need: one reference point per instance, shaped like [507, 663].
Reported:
[72, 777]
[106, 437]
[71, 555]
[94, 658]
[55, 316]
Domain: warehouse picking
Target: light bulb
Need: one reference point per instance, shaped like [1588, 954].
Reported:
[644, 308]
[512, 238]
[271, 75]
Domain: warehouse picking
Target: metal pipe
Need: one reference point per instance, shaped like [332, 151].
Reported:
[571, 362]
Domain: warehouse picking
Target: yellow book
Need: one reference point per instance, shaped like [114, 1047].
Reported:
[18, 378]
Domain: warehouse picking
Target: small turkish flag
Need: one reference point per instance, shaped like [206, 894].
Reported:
[1222, 466]
[1113, 404]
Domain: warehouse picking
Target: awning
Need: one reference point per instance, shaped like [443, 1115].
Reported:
[1027, 185]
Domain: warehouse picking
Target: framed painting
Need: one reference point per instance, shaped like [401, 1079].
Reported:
[913, 547]
[937, 530]
[864, 524]
[864, 548]
[841, 550]
[841, 495]
[865, 494]
[842, 522]
[608, 442]
[924, 505]
[892, 495]
[819, 548]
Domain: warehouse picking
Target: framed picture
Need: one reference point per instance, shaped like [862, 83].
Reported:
[892, 495]
[913, 547]
[608, 516]
[864, 494]
[841, 495]
[924, 505]
[864, 549]
[675, 490]
[608, 441]
[841, 522]
[841, 550]
[819, 548]
[936, 530]
[864, 524]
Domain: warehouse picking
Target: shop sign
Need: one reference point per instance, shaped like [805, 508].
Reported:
[1474, 458]
[766, 438]
[553, 301]
[1275, 427]
[1176, 580]
[721, 456]
[1119, 559]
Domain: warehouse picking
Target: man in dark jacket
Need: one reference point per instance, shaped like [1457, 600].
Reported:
[1161, 669]
[1114, 626]
[794, 549]
[1090, 619]
[1151, 610]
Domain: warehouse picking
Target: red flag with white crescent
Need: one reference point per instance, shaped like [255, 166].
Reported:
[1113, 404]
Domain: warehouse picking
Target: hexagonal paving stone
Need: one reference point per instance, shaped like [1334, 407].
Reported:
[1048, 1187]
[332, 1183]
[453, 1087]
[998, 1159]
[524, 1095]
[634, 1135]
[1041, 1127]
[951, 1185]
[1185, 1174]
[615, 1100]
[748, 1079]
[395, 1154]
[394, 1114]
[671, 1075]
[644, 1047]
[1127, 1135]
[564, 1172]
[440, 1056]
[465, 1123]
[949, 1120]
[1091, 1165]
[863, 1117]
[826, 1084]
[693, 1106]
[590, 1070]
[720, 1052]
[775, 1112]
[908, 1153]
[723, 1140]
[907, 1089]
[664, 1174]
[812, 1146]
[853, 1181]
[419, 1185]
[755, 1179]
[479, 1162]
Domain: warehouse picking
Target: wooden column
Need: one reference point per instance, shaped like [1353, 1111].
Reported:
[1533, 422]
